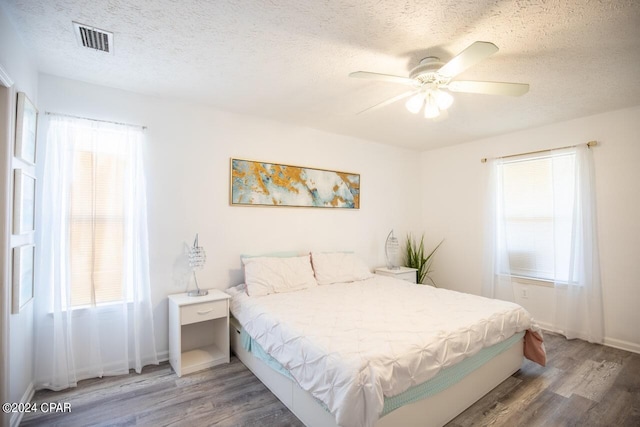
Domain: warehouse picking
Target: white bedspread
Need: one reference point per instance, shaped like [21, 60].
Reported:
[351, 344]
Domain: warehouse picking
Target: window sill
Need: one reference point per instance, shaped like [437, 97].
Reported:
[533, 281]
[104, 308]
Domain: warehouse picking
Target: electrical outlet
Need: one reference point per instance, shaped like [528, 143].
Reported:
[525, 293]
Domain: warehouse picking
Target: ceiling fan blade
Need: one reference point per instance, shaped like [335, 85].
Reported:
[489, 88]
[388, 101]
[383, 77]
[473, 54]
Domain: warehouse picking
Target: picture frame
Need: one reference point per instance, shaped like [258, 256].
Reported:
[255, 183]
[26, 129]
[24, 197]
[23, 276]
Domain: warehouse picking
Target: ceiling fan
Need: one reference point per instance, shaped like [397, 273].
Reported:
[432, 80]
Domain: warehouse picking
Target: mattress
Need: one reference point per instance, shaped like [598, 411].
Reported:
[443, 380]
[353, 345]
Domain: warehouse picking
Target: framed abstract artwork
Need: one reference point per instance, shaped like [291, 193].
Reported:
[256, 183]
[26, 125]
[22, 287]
[24, 196]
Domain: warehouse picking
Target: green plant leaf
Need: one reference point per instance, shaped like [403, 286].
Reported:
[415, 258]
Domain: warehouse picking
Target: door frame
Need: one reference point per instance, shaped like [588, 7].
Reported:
[6, 138]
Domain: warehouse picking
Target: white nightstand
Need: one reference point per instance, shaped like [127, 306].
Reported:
[402, 273]
[198, 331]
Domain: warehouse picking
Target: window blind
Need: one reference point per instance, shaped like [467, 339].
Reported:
[538, 205]
[96, 227]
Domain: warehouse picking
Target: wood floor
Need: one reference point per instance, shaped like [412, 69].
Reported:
[583, 385]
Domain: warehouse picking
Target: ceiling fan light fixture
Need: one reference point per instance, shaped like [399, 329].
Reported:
[431, 112]
[415, 103]
[431, 109]
[432, 82]
[443, 99]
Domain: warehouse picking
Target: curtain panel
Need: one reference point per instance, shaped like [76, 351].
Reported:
[571, 261]
[75, 341]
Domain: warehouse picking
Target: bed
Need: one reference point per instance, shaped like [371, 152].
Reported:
[340, 346]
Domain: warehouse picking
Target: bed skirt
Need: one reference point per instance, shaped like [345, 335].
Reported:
[506, 358]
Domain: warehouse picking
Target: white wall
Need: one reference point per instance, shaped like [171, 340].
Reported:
[453, 207]
[188, 158]
[21, 69]
[440, 191]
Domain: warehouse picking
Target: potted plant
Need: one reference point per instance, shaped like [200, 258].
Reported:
[415, 258]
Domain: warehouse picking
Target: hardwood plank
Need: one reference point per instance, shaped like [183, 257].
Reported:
[488, 406]
[583, 385]
[538, 412]
[571, 413]
[619, 407]
[591, 380]
[533, 401]
[514, 404]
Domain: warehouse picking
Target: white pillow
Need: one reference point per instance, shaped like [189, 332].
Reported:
[267, 275]
[335, 267]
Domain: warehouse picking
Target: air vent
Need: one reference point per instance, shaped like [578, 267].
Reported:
[93, 38]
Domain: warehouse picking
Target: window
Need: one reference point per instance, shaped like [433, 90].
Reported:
[541, 223]
[538, 199]
[94, 252]
[96, 225]
[96, 209]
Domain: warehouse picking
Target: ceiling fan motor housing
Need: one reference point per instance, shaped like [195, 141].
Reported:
[427, 71]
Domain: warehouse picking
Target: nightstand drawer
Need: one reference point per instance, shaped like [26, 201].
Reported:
[402, 273]
[204, 311]
[409, 276]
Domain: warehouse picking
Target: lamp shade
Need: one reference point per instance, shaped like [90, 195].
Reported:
[197, 258]
[443, 99]
[431, 109]
[414, 104]
[392, 251]
[197, 255]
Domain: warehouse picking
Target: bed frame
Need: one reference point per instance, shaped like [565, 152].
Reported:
[434, 411]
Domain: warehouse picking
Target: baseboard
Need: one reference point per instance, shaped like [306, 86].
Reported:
[622, 345]
[163, 356]
[16, 417]
[108, 370]
[609, 342]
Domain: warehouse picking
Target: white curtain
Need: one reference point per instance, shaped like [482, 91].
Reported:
[497, 273]
[572, 264]
[92, 340]
[579, 309]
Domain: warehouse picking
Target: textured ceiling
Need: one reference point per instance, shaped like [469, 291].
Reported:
[289, 60]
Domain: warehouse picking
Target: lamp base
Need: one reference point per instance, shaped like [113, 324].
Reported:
[198, 293]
